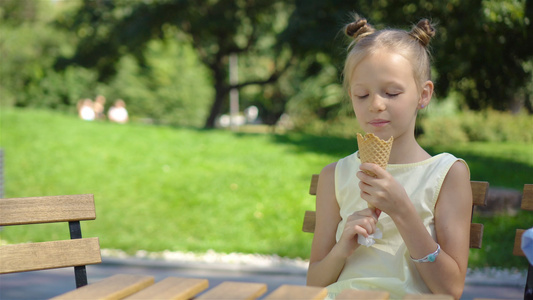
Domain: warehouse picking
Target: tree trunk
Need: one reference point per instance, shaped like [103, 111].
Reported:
[216, 107]
[221, 91]
[528, 103]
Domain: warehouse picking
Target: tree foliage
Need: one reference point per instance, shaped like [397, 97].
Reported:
[481, 50]
[28, 50]
[169, 58]
[216, 29]
[18, 12]
[173, 87]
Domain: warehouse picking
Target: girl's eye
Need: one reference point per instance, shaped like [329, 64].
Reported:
[362, 97]
[392, 95]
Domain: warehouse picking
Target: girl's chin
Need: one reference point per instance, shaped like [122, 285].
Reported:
[382, 134]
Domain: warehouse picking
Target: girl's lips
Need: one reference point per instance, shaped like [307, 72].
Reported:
[378, 123]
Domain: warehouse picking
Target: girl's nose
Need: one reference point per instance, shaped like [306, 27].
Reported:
[376, 104]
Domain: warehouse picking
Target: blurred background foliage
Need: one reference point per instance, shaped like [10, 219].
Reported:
[168, 59]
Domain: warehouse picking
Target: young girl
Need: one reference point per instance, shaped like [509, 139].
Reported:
[423, 203]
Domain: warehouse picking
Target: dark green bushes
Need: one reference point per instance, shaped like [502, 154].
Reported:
[484, 126]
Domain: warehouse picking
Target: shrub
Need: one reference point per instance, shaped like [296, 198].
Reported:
[483, 126]
[496, 126]
[442, 131]
[342, 127]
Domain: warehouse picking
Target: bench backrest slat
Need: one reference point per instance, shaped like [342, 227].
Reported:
[49, 209]
[479, 192]
[67, 209]
[527, 197]
[46, 255]
[517, 248]
[527, 204]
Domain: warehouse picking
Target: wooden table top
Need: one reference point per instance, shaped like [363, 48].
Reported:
[125, 286]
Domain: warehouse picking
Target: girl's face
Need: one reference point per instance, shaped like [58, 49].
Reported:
[385, 96]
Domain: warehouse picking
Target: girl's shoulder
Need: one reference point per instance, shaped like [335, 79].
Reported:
[455, 164]
[459, 169]
[328, 169]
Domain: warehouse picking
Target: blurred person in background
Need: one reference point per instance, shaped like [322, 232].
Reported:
[118, 113]
[99, 105]
[86, 110]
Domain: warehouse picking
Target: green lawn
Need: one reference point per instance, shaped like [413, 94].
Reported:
[163, 188]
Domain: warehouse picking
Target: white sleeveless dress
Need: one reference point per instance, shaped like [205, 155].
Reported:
[387, 265]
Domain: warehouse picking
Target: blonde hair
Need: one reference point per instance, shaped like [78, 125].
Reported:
[412, 45]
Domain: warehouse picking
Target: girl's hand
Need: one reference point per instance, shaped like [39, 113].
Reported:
[382, 191]
[360, 222]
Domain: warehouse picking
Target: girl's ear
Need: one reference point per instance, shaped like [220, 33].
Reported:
[427, 93]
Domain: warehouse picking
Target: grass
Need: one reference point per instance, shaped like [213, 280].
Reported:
[163, 188]
[501, 164]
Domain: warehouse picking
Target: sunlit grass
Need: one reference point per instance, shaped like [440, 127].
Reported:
[161, 188]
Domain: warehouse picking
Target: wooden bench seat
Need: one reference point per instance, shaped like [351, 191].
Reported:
[114, 287]
[176, 288]
[49, 255]
[76, 252]
[526, 204]
[297, 292]
[235, 291]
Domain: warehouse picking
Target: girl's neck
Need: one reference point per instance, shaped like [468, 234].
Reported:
[406, 150]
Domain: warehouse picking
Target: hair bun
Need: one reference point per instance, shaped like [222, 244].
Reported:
[358, 29]
[423, 32]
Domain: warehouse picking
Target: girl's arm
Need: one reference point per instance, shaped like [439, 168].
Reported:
[446, 275]
[453, 213]
[324, 264]
[327, 256]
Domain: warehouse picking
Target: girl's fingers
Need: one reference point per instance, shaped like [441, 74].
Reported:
[363, 186]
[367, 212]
[361, 230]
[364, 226]
[370, 225]
[373, 168]
[363, 176]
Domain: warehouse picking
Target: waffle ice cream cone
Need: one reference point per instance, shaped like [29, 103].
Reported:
[372, 149]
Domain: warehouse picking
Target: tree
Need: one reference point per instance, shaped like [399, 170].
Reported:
[28, 47]
[17, 12]
[481, 50]
[216, 29]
